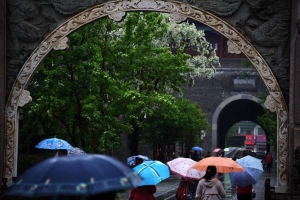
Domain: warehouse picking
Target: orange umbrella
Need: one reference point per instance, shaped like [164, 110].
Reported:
[223, 165]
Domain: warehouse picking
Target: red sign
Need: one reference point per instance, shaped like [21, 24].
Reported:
[249, 139]
[261, 138]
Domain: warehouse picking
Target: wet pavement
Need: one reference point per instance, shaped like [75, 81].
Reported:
[166, 189]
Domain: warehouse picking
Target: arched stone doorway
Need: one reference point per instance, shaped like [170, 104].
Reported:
[237, 108]
[116, 10]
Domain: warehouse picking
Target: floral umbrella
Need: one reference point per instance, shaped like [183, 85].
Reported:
[182, 167]
[53, 144]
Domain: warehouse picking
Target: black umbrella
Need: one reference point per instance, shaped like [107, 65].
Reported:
[82, 175]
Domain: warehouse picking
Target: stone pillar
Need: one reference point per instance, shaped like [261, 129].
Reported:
[2, 83]
[294, 92]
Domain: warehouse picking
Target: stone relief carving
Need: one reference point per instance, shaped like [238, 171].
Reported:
[221, 7]
[232, 48]
[69, 7]
[62, 44]
[26, 24]
[268, 26]
[151, 5]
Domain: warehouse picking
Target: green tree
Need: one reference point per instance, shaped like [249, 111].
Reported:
[232, 131]
[104, 84]
[183, 122]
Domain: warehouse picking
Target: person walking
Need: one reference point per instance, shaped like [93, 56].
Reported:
[269, 160]
[195, 156]
[143, 193]
[244, 193]
[210, 188]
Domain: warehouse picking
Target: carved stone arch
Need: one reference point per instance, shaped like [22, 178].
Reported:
[116, 10]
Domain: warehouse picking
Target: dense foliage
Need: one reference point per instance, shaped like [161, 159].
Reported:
[118, 78]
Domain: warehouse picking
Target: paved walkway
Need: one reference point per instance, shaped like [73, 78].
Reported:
[166, 189]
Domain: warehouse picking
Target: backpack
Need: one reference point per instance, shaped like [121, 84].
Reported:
[183, 191]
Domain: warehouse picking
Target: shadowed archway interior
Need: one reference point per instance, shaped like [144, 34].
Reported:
[234, 112]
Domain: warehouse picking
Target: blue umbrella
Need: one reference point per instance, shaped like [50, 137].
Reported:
[197, 149]
[53, 144]
[152, 172]
[252, 171]
[83, 175]
[131, 159]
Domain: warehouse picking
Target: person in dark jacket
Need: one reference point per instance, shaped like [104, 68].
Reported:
[195, 156]
[244, 193]
[142, 193]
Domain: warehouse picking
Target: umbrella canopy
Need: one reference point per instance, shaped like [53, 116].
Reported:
[217, 150]
[252, 171]
[83, 175]
[53, 144]
[152, 172]
[131, 159]
[197, 149]
[74, 152]
[223, 165]
[182, 167]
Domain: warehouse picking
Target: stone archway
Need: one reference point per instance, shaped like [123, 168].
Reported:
[226, 102]
[57, 40]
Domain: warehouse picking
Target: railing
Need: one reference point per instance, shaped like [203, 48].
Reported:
[270, 193]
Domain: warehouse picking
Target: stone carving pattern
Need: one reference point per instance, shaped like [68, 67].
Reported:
[272, 33]
[62, 44]
[26, 24]
[232, 48]
[25, 98]
[102, 10]
[220, 7]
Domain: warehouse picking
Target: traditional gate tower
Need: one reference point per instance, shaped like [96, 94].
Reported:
[267, 32]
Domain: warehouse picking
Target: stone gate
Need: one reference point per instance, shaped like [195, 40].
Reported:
[266, 31]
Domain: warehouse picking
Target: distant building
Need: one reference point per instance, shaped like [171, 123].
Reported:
[255, 137]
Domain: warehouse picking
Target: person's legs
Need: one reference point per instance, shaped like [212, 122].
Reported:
[244, 196]
[268, 167]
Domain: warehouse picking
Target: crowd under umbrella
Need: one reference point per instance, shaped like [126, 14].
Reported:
[131, 159]
[74, 152]
[182, 167]
[74, 176]
[196, 148]
[54, 144]
[251, 174]
[152, 172]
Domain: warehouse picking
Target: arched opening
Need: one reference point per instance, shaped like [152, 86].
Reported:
[254, 137]
[57, 40]
[234, 112]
